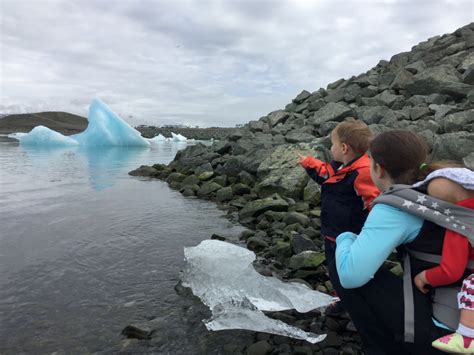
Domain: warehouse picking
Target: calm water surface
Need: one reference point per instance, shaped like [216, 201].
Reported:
[85, 250]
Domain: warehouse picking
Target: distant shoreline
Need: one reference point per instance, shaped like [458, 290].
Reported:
[67, 124]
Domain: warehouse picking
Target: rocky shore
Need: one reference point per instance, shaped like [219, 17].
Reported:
[254, 176]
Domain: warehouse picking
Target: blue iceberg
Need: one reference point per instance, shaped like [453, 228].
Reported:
[105, 128]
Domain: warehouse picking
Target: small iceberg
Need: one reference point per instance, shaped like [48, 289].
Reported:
[222, 276]
[178, 137]
[158, 139]
[105, 128]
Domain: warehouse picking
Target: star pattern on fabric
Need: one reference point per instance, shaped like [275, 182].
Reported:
[434, 205]
[455, 225]
[407, 203]
[421, 199]
[422, 208]
[436, 213]
[447, 211]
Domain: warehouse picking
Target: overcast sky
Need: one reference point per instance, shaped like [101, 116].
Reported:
[200, 62]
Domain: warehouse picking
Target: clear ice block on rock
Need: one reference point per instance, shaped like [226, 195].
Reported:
[223, 277]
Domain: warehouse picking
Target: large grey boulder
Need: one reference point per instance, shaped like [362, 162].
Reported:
[438, 79]
[256, 207]
[277, 117]
[453, 146]
[459, 121]
[331, 112]
[281, 173]
[373, 114]
[232, 166]
[469, 161]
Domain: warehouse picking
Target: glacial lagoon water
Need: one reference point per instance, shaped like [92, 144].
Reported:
[86, 249]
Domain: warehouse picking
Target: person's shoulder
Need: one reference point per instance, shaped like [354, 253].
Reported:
[394, 213]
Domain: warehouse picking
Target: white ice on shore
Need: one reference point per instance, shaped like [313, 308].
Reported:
[105, 128]
[222, 276]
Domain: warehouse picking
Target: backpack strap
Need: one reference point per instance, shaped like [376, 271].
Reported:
[448, 215]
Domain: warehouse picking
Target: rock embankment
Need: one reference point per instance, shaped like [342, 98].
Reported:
[254, 175]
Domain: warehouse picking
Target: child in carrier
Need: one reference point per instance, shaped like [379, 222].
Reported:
[455, 185]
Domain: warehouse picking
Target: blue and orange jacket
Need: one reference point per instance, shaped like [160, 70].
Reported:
[346, 194]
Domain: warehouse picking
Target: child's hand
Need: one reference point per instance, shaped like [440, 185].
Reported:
[421, 283]
[301, 157]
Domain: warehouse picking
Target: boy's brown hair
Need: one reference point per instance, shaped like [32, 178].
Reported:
[354, 133]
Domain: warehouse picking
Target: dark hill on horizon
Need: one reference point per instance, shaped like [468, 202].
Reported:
[63, 122]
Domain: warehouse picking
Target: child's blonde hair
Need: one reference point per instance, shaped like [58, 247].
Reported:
[354, 133]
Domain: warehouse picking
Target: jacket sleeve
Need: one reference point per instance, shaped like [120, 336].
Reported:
[359, 257]
[454, 260]
[318, 170]
[365, 187]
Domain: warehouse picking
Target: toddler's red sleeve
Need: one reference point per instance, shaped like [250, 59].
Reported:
[454, 260]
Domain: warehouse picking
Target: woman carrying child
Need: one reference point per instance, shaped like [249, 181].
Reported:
[373, 295]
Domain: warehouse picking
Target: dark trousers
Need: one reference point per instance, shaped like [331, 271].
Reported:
[329, 251]
[377, 310]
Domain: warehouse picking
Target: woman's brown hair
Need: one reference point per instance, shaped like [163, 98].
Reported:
[400, 153]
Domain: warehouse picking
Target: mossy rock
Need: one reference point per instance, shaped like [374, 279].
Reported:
[306, 260]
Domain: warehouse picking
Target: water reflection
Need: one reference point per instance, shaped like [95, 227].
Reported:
[106, 164]
[102, 166]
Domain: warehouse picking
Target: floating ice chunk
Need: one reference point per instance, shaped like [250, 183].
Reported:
[222, 276]
[105, 128]
[178, 137]
[41, 135]
[158, 138]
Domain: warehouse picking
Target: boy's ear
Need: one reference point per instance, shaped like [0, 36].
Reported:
[345, 148]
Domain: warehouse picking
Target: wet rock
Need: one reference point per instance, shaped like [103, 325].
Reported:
[131, 331]
[296, 217]
[143, 170]
[175, 177]
[306, 259]
[332, 340]
[256, 244]
[208, 188]
[224, 194]
[257, 207]
[300, 243]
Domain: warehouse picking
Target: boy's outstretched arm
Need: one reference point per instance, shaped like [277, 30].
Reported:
[316, 169]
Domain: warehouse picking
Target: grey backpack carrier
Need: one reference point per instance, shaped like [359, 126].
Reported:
[450, 216]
